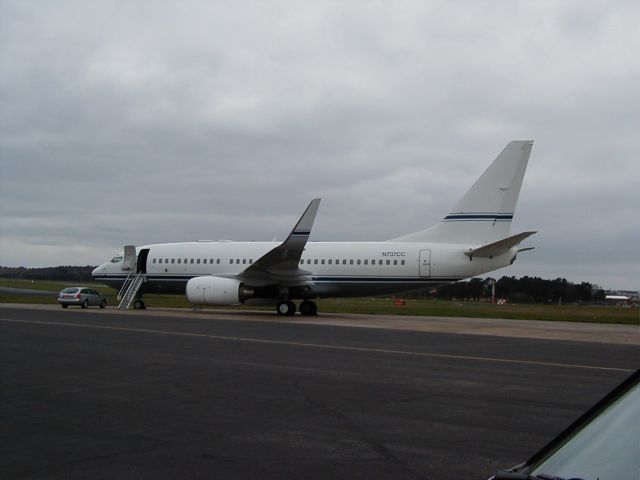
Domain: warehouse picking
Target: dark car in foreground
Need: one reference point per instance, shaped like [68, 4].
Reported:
[603, 444]
[81, 296]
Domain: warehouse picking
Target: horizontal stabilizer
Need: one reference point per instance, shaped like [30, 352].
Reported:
[498, 248]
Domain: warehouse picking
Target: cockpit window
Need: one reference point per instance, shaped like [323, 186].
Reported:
[116, 259]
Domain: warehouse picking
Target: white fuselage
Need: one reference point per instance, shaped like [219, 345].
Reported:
[335, 268]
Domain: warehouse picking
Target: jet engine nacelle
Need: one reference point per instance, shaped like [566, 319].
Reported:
[212, 290]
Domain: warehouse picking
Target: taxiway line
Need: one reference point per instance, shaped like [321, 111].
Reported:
[319, 345]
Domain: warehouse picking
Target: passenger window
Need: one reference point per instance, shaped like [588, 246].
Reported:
[366, 262]
[301, 261]
[250, 261]
[388, 262]
[308, 261]
[166, 260]
[217, 260]
[230, 260]
[237, 261]
[350, 262]
[204, 260]
[344, 261]
[173, 260]
[379, 262]
[185, 260]
[315, 261]
[211, 261]
[159, 260]
[373, 262]
[154, 260]
[244, 261]
[198, 261]
[358, 262]
[401, 262]
[179, 260]
[395, 262]
[322, 261]
[329, 261]
[337, 262]
[192, 260]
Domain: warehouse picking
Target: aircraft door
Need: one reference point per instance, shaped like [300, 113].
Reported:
[425, 263]
[129, 261]
[142, 260]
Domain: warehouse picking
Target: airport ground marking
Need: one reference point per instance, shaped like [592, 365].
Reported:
[318, 345]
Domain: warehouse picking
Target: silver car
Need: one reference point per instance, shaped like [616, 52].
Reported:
[82, 296]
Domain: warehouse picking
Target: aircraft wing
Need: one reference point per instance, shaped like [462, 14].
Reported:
[498, 248]
[280, 265]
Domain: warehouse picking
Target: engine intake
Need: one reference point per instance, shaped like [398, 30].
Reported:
[213, 290]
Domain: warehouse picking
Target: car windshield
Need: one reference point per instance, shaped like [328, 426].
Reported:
[605, 449]
[70, 290]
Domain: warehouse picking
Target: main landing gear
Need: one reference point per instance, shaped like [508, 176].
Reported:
[288, 308]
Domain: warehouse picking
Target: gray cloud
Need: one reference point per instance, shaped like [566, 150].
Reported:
[153, 122]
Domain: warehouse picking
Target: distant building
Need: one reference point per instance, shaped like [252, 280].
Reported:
[621, 298]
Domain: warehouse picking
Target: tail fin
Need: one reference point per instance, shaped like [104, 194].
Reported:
[484, 213]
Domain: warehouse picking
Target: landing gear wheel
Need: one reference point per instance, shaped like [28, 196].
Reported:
[286, 308]
[103, 303]
[139, 305]
[308, 308]
[85, 304]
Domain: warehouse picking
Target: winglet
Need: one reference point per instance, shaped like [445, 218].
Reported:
[286, 256]
[302, 229]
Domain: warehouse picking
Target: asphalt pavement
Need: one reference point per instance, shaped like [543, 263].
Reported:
[102, 394]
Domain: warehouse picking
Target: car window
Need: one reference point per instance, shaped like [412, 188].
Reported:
[70, 290]
[85, 290]
[606, 448]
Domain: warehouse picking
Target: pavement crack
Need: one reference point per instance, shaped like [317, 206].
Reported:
[378, 447]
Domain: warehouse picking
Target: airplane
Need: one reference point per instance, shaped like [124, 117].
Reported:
[471, 240]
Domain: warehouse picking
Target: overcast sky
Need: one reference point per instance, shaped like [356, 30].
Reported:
[146, 122]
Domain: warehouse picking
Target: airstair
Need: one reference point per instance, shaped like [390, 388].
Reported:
[129, 290]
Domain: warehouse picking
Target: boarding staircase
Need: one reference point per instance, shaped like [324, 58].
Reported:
[129, 290]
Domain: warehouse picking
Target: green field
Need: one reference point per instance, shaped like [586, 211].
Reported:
[439, 308]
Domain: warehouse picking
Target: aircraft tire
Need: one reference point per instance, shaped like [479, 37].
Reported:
[308, 308]
[286, 308]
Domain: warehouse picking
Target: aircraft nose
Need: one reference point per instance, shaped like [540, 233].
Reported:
[98, 270]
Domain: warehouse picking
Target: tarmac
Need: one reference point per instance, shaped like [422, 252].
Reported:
[168, 393]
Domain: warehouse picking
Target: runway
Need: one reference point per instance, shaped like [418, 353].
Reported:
[171, 394]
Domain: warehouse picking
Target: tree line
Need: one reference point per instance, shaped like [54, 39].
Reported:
[66, 273]
[524, 290]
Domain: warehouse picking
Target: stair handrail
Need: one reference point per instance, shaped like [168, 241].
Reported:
[124, 286]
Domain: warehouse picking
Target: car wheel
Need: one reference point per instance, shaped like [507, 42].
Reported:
[85, 304]
[103, 303]
[64, 305]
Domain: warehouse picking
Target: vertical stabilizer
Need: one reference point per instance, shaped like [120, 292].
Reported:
[484, 213]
